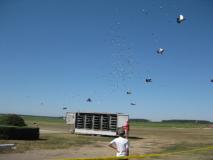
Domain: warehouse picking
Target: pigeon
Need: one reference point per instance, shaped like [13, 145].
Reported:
[180, 18]
[128, 92]
[160, 51]
[89, 100]
[148, 80]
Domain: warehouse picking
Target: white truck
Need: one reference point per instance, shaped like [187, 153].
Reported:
[96, 123]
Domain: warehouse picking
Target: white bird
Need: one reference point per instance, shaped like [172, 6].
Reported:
[160, 51]
[180, 18]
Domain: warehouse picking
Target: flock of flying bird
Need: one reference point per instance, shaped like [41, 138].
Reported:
[160, 51]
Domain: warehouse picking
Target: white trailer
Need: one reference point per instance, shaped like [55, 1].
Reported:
[96, 123]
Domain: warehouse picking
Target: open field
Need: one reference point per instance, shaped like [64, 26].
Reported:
[150, 137]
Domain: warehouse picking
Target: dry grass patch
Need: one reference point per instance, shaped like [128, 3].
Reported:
[55, 141]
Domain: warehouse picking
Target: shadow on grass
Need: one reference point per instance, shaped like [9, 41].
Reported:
[42, 139]
[130, 137]
[133, 137]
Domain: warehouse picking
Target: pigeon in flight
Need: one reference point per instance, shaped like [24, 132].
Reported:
[180, 18]
[89, 100]
[148, 80]
[160, 51]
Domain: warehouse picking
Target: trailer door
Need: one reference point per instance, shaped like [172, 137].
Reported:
[70, 118]
[122, 119]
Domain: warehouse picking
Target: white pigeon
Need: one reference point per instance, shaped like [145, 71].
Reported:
[160, 51]
[180, 18]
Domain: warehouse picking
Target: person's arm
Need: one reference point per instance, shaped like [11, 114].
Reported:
[126, 134]
[127, 149]
[112, 146]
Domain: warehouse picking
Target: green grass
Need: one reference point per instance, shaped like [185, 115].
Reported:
[52, 123]
[56, 121]
[43, 119]
[188, 151]
[175, 137]
[167, 125]
[55, 141]
[183, 146]
[30, 120]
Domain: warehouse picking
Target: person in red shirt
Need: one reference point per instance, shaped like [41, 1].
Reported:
[126, 129]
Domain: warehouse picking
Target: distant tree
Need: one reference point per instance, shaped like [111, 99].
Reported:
[12, 120]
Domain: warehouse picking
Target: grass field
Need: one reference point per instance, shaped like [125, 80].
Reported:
[176, 137]
[167, 125]
[147, 137]
[51, 123]
[52, 139]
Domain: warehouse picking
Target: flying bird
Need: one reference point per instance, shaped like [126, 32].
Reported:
[160, 51]
[211, 80]
[89, 100]
[148, 80]
[128, 92]
[180, 18]
[64, 108]
[133, 104]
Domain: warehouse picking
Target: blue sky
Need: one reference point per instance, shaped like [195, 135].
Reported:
[59, 53]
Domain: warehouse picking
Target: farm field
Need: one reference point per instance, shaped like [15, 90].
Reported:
[145, 138]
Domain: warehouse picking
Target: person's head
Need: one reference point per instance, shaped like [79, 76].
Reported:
[121, 132]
